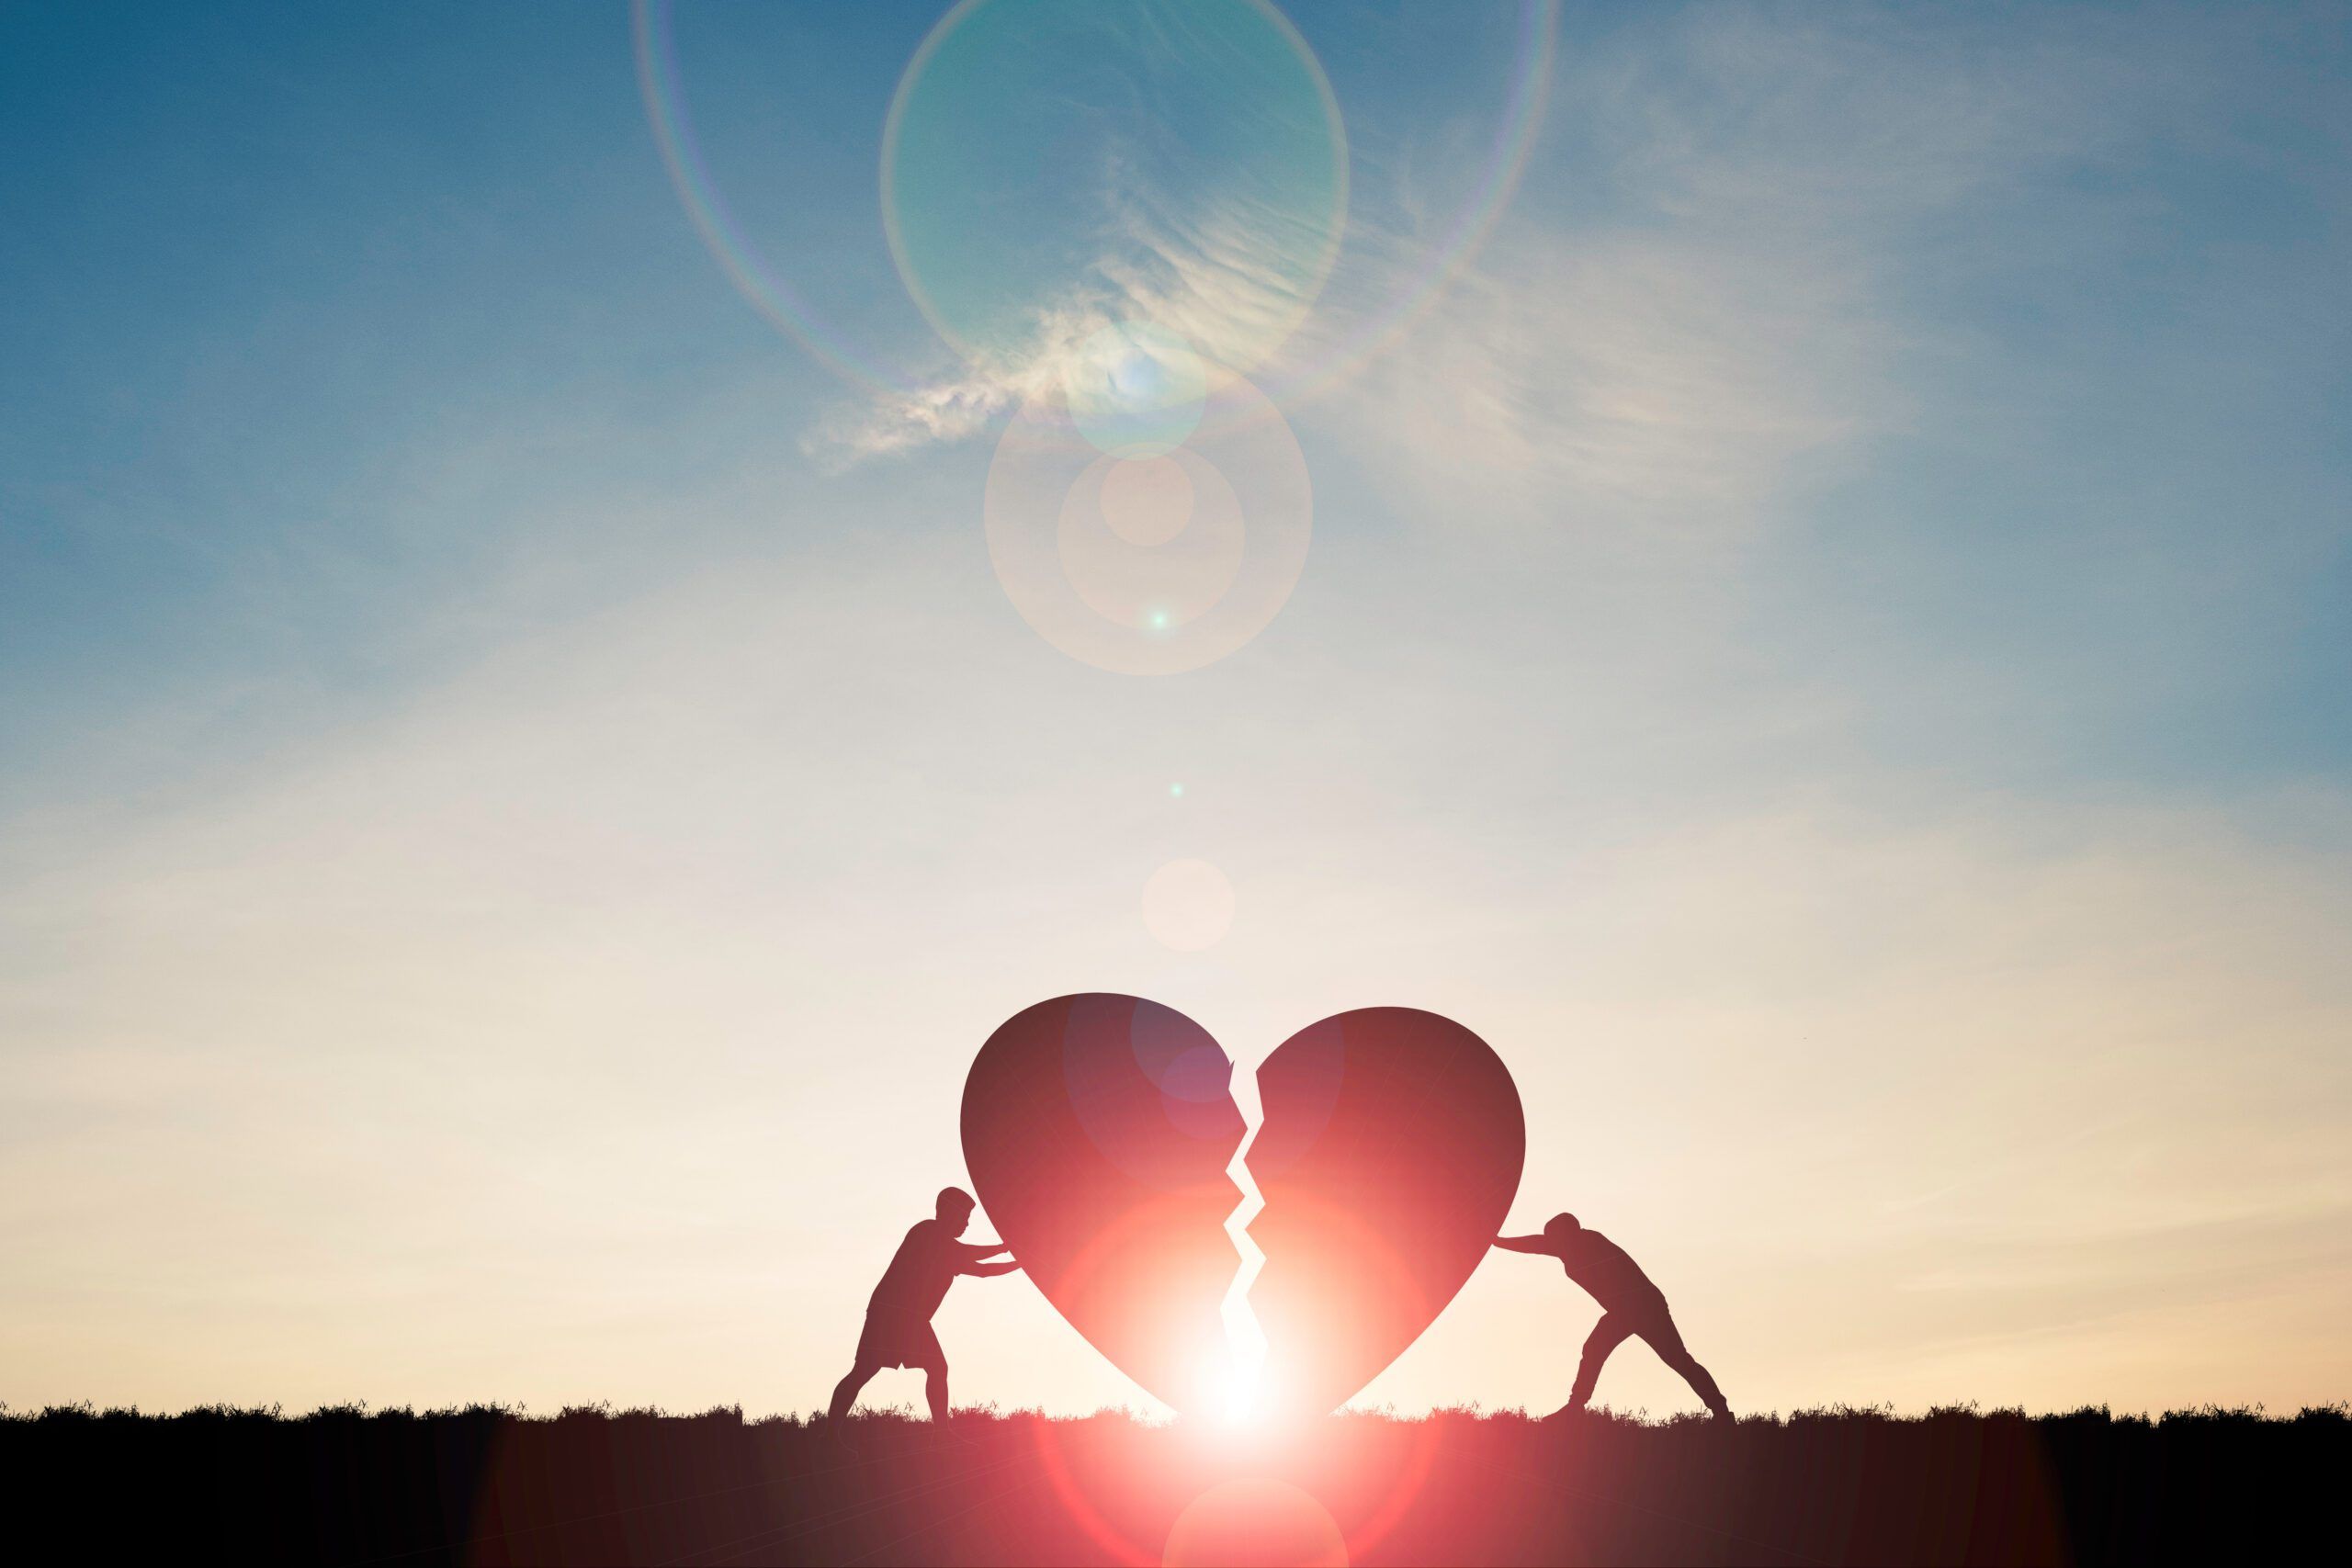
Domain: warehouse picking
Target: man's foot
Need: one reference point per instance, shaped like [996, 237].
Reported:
[1721, 1412]
[1566, 1412]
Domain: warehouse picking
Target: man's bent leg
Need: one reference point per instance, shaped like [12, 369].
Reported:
[846, 1391]
[1607, 1335]
[1667, 1340]
[935, 1389]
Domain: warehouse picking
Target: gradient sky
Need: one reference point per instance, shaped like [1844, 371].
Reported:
[1826, 644]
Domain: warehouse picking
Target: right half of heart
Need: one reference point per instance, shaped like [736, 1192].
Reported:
[1388, 1155]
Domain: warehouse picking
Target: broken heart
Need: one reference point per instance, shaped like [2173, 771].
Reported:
[1098, 1130]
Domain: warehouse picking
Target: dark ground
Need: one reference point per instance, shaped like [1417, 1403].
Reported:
[486, 1486]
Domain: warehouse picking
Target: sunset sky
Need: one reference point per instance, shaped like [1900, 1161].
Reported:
[1825, 640]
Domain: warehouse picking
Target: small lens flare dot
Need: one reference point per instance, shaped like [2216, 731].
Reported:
[1176, 792]
[1148, 501]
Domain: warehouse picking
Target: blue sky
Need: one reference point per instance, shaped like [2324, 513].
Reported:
[1859, 555]
[258, 267]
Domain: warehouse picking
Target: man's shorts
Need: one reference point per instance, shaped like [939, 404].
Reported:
[898, 1339]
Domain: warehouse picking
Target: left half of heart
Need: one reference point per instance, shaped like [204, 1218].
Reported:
[1098, 1129]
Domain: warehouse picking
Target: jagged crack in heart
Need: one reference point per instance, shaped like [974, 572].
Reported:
[1244, 1336]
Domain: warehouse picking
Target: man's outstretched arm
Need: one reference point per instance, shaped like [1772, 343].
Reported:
[986, 1271]
[1538, 1244]
[981, 1251]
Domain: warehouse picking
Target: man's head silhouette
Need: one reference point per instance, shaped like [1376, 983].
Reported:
[955, 1209]
[1560, 1227]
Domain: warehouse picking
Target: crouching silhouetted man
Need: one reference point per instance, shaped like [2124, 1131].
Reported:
[1630, 1305]
[898, 1317]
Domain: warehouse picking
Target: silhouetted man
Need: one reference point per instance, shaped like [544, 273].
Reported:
[898, 1317]
[1630, 1304]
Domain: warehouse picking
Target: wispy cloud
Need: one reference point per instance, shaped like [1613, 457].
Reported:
[1731, 306]
[1636, 374]
[1229, 276]
[1729, 310]
[959, 404]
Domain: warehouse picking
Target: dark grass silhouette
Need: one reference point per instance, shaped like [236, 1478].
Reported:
[486, 1485]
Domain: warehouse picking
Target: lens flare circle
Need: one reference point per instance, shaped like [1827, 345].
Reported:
[1158, 565]
[1148, 501]
[1188, 906]
[1460, 234]
[1135, 389]
[1043, 156]
[1070, 1492]
[661, 86]
[1155, 549]
[1255, 1519]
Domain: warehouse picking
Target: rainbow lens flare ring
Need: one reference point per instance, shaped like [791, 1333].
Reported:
[1177, 161]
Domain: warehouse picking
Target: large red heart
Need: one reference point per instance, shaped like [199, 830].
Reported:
[1098, 1128]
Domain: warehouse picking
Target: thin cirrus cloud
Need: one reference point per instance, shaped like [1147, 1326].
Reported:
[1728, 308]
[1732, 305]
[1214, 275]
